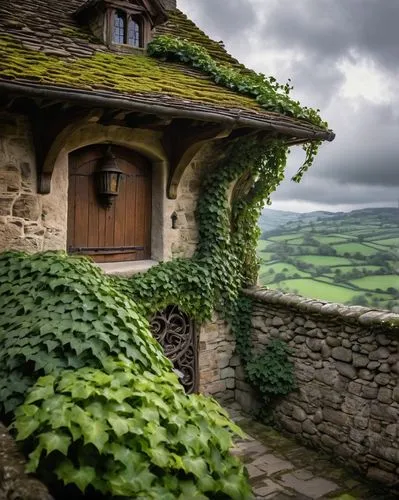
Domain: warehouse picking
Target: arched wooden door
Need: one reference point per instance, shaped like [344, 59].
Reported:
[119, 233]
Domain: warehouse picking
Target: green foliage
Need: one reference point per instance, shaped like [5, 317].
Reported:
[241, 326]
[225, 259]
[272, 372]
[183, 282]
[124, 432]
[58, 312]
[269, 94]
[266, 90]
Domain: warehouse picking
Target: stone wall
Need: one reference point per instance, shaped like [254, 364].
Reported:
[33, 222]
[347, 369]
[217, 360]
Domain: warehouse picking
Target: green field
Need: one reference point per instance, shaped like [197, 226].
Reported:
[354, 248]
[265, 256]
[346, 269]
[284, 237]
[308, 257]
[317, 290]
[296, 241]
[334, 238]
[263, 244]
[380, 281]
[390, 242]
[324, 260]
[281, 267]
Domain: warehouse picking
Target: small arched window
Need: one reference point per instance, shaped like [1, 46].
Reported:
[119, 27]
[134, 33]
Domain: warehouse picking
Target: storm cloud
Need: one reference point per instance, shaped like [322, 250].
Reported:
[342, 57]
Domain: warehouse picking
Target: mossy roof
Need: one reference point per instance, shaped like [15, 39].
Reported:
[41, 43]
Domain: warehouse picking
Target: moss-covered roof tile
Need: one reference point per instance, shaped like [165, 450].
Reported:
[41, 43]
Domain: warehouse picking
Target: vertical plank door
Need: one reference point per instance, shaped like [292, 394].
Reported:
[122, 232]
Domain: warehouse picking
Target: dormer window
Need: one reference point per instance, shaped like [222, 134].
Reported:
[122, 24]
[127, 29]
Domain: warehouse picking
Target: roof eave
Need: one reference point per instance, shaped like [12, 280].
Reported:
[301, 131]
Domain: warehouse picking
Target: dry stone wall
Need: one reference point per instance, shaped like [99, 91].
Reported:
[347, 369]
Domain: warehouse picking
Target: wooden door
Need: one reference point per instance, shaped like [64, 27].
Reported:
[119, 233]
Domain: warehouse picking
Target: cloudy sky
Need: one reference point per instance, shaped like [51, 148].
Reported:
[342, 57]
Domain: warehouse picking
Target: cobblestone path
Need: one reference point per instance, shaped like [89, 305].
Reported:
[281, 469]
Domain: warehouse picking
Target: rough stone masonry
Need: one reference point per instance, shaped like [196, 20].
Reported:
[347, 369]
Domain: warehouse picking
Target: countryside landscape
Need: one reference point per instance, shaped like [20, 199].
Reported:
[350, 258]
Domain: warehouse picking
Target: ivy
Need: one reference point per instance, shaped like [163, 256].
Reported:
[58, 312]
[154, 441]
[267, 92]
[271, 371]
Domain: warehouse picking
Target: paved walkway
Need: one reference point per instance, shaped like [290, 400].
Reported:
[280, 469]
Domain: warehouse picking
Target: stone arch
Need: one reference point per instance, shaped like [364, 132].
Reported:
[76, 136]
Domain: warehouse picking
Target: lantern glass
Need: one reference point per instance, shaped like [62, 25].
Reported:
[108, 179]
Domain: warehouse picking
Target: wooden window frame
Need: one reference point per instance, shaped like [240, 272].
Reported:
[136, 16]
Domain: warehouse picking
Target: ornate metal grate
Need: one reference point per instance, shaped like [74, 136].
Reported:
[175, 331]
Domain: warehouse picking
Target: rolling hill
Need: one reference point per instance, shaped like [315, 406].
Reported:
[351, 258]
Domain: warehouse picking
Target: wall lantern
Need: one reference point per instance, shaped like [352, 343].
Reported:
[108, 176]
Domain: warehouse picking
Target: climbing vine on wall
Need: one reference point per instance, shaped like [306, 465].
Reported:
[225, 259]
[267, 92]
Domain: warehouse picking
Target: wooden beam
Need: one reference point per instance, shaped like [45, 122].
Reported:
[182, 142]
[50, 129]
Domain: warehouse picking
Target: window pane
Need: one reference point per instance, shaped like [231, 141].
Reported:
[119, 27]
[133, 36]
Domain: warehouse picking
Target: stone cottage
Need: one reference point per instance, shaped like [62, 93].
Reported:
[102, 148]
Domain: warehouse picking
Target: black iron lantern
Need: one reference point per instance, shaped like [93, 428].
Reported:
[108, 176]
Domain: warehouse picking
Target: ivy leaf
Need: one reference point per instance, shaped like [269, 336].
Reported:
[82, 390]
[40, 393]
[96, 434]
[196, 466]
[125, 455]
[119, 424]
[82, 476]
[55, 441]
[34, 460]
[26, 426]
[160, 456]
